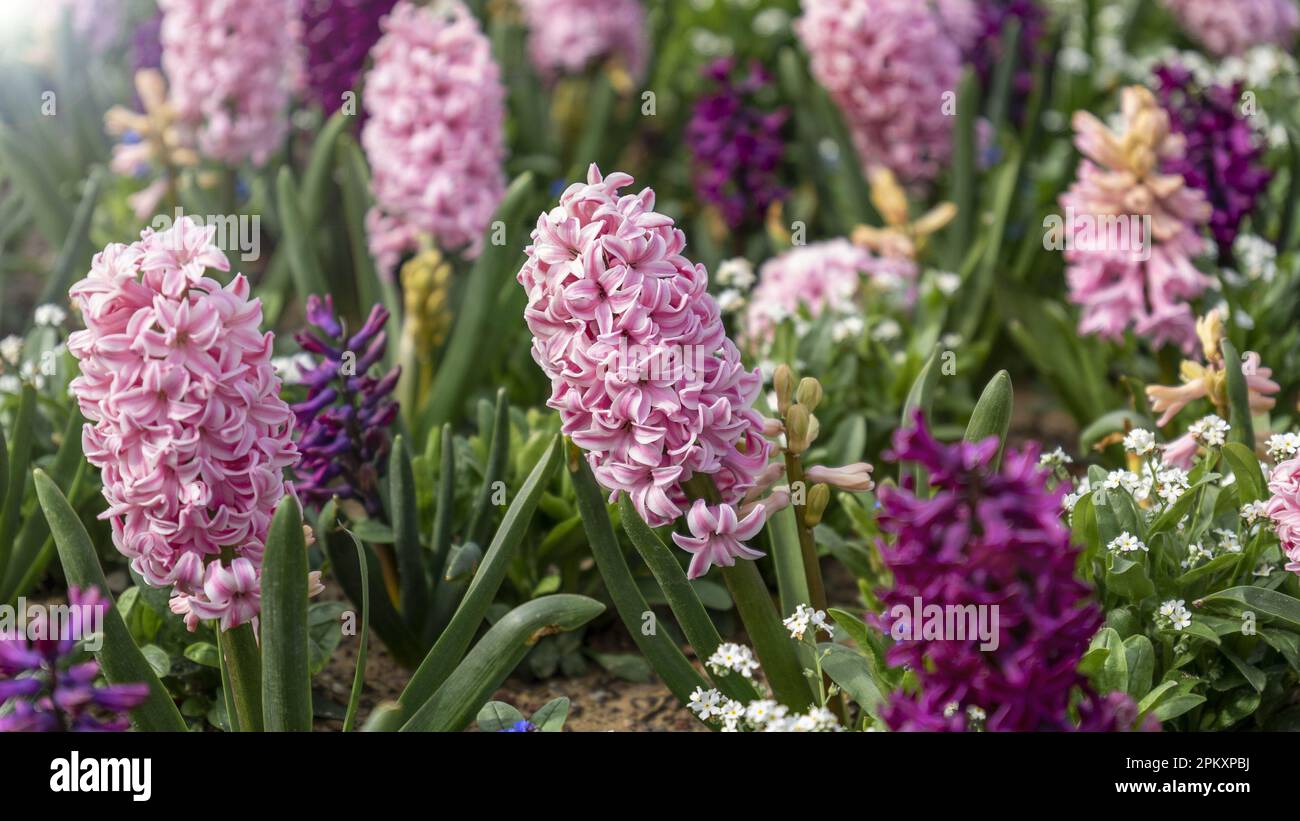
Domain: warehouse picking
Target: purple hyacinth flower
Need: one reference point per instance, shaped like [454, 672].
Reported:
[337, 36]
[343, 422]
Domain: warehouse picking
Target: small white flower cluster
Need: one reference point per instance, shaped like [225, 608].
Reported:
[1283, 446]
[291, 369]
[849, 327]
[11, 348]
[733, 658]
[760, 715]
[49, 315]
[1253, 512]
[1056, 459]
[1071, 499]
[886, 330]
[1196, 554]
[737, 273]
[1126, 543]
[1256, 256]
[975, 715]
[1140, 441]
[805, 617]
[1171, 483]
[1178, 616]
[1228, 541]
[1210, 431]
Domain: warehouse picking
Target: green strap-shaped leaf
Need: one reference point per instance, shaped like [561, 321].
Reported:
[663, 654]
[1004, 74]
[491, 273]
[371, 288]
[964, 164]
[1243, 426]
[359, 677]
[1271, 603]
[30, 176]
[307, 276]
[685, 604]
[15, 488]
[76, 251]
[451, 645]
[286, 679]
[775, 649]
[406, 536]
[316, 178]
[498, 453]
[919, 398]
[992, 414]
[787, 558]
[473, 681]
[243, 667]
[1251, 484]
[121, 661]
[851, 671]
[442, 517]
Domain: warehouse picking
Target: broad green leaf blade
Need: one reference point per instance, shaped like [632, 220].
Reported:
[498, 453]
[550, 717]
[406, 535]
[497, 716]
[1239, 415]
[442, 517]
[681, 597]
[1251, 483]
[451, 645]
[15, 488]
[319, 165]
[919, 398]
[242, 664]
[664, 655]
[286, 676]
[458, 699]
[1262, 601]
[121, 661]
[359, 677]
[992, 414]
[307, 276]
[76, 252]
[851, 671]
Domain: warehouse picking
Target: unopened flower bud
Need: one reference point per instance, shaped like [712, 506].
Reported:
[855, 478]
[797, 420]
[809, 393]
[819, 496]
[772, 427]
[783, 383]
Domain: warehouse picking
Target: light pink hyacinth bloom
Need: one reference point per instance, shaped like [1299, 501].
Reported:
[570, 36]
[1284, 509]
[888, 65]
[231, 66]
[815, 278]
[185, 418]
[642, 372]
[718, 536]
[435, 132]
[1227, 27]
[1131, 280]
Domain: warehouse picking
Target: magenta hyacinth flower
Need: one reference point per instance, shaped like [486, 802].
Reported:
[716, 536]
[434, 132]
[1226, 27]
[642, 372]
[736, 145]
[988, 538]
[1222, 152]
[231, 67]
[44, 685]
[567, 37]
[888, 65]
[185, 417]
[337, 36]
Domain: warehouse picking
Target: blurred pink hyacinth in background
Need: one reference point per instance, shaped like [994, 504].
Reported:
[1226, 27]
[571, 36]
[434, 133]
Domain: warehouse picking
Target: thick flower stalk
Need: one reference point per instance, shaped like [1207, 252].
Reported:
[1222, 153]
[345, 418]
[1132, 229]
[984, 538]
[568, 37]
[642, 372]
[337, 36]
[1227, 27]
[736, 145]
[231, 66]
[888, 65]
[434, 132]
[47, 687]
[185, 418]
[817, 278]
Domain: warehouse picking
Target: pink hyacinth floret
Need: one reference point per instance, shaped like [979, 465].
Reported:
[568, 37]
[434, 135]
[641, 369]
[185, 418]
[717, 536]
[1284, 509]
[1134, 229]
[1226, 27]
[231, 67]
[890, 66]
[816, 278]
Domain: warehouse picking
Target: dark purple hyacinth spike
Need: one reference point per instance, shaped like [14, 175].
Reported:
[986, 51]
[995, 539]
[1223, 151]
[337, 37]
[146, 45]
[48, 690]
[345, 418]
[736, 145]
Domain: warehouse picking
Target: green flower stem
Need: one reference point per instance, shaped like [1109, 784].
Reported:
[243, 660]
[807, 544]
